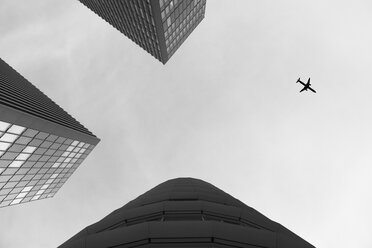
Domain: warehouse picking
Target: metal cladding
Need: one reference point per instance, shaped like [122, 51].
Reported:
[17, 93]
[185, 212]
[158, 26]
[41, 145]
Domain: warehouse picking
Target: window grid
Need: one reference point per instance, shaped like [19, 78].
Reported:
[179, 19]
[35, 175]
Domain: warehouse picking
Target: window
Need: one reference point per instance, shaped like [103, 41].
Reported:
[4, 146]
[9, 137]
[29, 149]
[16, 129]
[16, 164]
[4, 126]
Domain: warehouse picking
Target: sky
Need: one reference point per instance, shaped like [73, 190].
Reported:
[224, 109]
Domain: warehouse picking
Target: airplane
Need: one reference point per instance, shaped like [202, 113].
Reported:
[306, 86]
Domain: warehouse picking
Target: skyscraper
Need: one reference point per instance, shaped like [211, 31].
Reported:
[41, 145]
[158, 26]
[185, 212]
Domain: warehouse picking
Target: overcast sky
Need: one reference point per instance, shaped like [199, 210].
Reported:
[225, 109]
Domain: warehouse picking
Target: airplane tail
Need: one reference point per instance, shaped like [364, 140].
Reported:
[298, 80]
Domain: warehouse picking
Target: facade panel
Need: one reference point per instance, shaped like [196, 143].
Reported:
[186, 212]
[41, 145]
[158, 26]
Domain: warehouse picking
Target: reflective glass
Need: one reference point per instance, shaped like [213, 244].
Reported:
[22, 156]
[29, 149]
[16, 163]
[4, 125]
[23, 140]
[16, 201]
[27, 189]
[30, 132]
[9, 137]
[16, 129]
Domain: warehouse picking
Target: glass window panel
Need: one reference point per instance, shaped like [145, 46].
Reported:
[58, 153]
[35, 142]
[22, 183]
[75, 143]
[39, 164]
[23, 170]
[68, 141]
[65, 154]
[67, 160]
[61, 140]
[23, 140]
[16, 164]
[42, 135]
[23, 156]
[16, 201]
[55, 146]
[16, 178]
[1, 153]
[10, 185]
[77, 149]
[70, 148]
[29, 149]
[52, 137]
[4, 163]
[22, 195]
[4, 125]
[53, 159]
[45, 186]
[81, 144]
[44, 158]
[60, 160]
[9, 137]
[40, 150]
[72, 154]
[27, 198]
[16, 129]
[16, 148]
[42, 171]
[35, 197]
[1, 170]
[46, 144]
[30, 132]
[54, 175]
[9, 155]
[49, 152]
[27, 189]
[40, 191]
[28, 164]
[34, 157]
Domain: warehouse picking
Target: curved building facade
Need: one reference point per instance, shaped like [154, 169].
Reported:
[185, 212]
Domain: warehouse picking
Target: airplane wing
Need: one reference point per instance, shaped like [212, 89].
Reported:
[301, 83]
[308, 82]
[303, 89]
[312, 90]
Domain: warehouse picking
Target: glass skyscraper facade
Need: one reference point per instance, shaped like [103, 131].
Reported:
[41, 145]
[186, 212]
[158, 26]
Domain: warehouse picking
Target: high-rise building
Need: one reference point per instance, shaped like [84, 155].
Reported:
[158, 26]
[186, 212]
[41, 145]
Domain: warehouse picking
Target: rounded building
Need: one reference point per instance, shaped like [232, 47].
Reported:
[185, 212]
